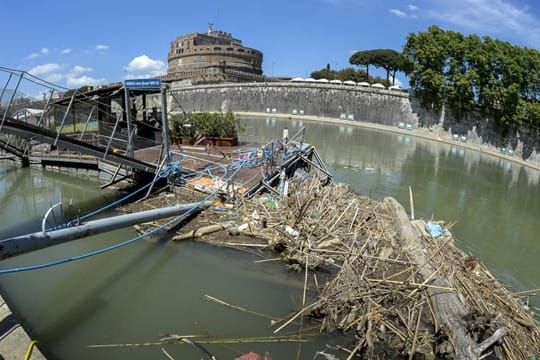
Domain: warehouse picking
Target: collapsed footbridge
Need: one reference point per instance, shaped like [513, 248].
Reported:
[109, 123]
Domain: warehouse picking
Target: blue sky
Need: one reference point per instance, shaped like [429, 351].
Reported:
[76, 43]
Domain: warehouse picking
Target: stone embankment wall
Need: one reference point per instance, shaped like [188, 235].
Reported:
[379, 106]
[482, 131]
[352, 102]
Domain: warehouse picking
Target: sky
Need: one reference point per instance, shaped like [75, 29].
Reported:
[76, 43]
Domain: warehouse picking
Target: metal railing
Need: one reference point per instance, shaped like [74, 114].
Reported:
[56, 113]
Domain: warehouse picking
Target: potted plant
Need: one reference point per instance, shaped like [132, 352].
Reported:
[228, 127]
[218, 128]
[182, 129]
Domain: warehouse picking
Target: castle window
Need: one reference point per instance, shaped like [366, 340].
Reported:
[240, 50]
[217, 48]
[230, 49]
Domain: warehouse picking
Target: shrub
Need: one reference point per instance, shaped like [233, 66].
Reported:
[208, 124]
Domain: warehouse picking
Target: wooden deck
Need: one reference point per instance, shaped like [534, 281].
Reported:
[242, 170]
[206, 168]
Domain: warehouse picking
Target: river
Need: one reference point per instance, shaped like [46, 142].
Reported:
[494, 202]
[151, 288]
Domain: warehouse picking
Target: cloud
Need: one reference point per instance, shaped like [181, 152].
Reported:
[32, 56]
[44, 69]
[144, 66]
[102, 47]
[489, 17]
[65, 51]
[397, 12]
[402, 14]
[75, 82]
[79, 70]
[35, 55]
[75, 78]
[54, 78]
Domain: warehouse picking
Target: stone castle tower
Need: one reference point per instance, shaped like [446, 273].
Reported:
[212, 58]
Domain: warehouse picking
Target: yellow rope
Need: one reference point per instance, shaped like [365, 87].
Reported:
[30, 349]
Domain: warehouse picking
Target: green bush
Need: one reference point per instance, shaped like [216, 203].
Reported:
[181, 125]
[205, 123]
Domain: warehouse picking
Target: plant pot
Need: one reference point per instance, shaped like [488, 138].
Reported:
[227, 141]
[186, 140]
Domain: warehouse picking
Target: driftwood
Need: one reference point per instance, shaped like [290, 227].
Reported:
[448, 309]
[199, 232]
[397, 289]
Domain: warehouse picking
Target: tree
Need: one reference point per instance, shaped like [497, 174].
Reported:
[348, 74]
[426, 52]
[325, 73]
[388, 59]
[467, 73]
[362, 58]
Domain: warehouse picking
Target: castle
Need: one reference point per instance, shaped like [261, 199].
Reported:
[213, 57]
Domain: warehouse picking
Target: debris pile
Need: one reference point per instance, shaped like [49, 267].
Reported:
[397, 289]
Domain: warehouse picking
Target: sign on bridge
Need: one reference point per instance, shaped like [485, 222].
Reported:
[143, 83]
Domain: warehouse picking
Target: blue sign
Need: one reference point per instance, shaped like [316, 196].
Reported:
[143, 83]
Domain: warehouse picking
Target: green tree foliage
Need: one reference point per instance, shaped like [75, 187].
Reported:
[468, 72]
[362, 58]
[343, 74]
[324, 74]
[388, 59]
[205, 123]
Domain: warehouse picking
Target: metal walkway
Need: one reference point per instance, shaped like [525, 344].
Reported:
[33, 132]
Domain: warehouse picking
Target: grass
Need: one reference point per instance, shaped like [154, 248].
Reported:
[78, 127]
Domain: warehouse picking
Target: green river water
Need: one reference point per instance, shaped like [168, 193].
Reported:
[151, 288]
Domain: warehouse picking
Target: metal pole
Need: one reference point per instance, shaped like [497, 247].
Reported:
[86, 123]
[11, 100]
[129, 148]
[158, 170]
[45, 108]
[112, 134]
[5, 87]
[165, 123]
[145, 110]
[39, 240]
[64, 118]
